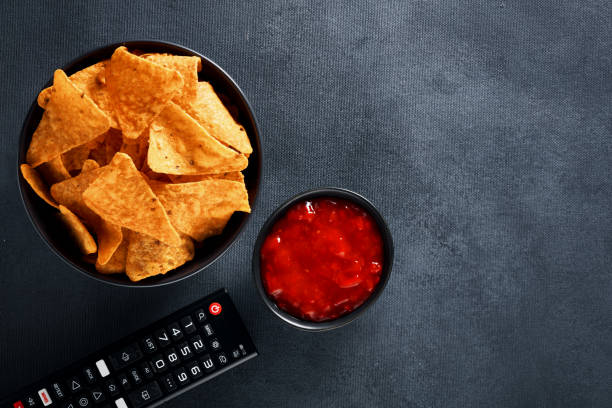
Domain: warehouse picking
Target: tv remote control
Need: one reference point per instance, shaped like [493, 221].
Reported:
[152, 365]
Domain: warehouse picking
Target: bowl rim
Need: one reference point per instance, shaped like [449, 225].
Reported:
[256, 139]
[388, 251]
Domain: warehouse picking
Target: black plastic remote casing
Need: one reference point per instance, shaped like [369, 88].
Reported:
[215, 342]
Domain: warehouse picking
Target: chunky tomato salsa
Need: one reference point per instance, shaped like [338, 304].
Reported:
[322, 259]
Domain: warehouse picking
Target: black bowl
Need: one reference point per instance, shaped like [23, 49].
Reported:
[44, 217]
[387, 253]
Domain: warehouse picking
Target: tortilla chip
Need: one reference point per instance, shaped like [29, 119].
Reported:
[38, 185]
[90, 80]
[178, 145]
[70, 194]
[139, 90]
[54, 171]
[74, 158]
[112, 144]
[136, 149]
[202, 209]
[147, 256]
[116, 264]
[98, 153]
[89, 165]
[121, 196]
[232, 175]
[210, 112]
[71, 119]
[151, 175]
[79, 232]
[188, 67]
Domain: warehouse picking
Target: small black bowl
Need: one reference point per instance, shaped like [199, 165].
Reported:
[44, 217]
[330, 192]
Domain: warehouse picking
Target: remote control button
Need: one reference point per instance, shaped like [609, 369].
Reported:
[215, 345]
[135, 376]
[207, 363]
[102, 368]
[146, 369]
[111, 387]
[221, 358]
[242, 350]
[185, 351]
[200, 316]
[236, 354]
[215, 308]
[69, 404]
[145, 395]
[172, 357]
[30, 401]
[120, 403]
[123, 380]
[89, 375]
[181, 376]
[97, 396]
[169, 383]
[198, 344]
[83, 401]
[58, 391]
[162, 338]
[194, 370]
[18, 404]
[158, 363]
[175, 331]
[74, 384]
[125, 356]
[207, 328]
[188, 325]
[148, 344]
[44, 397]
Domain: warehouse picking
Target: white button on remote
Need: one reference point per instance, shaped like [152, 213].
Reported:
[102, 368]
[120, 403]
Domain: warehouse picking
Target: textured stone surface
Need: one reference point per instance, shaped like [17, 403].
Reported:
[482, 131]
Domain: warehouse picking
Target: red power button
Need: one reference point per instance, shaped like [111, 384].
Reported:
[18, 404]
[214, 308]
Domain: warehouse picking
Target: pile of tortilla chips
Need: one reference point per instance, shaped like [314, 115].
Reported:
[140, 159]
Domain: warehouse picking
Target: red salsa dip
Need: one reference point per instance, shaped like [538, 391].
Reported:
[322, 259]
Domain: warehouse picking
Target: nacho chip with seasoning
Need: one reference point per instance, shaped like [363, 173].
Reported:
[212, 115]
[147, 256]
[202, 209]
[74, 158]
[70, 194]
[89, 165]
[120, 195]
[70, 119]
[188, 67]
[38, 185]
[139, 90]
[54, 171]
[136, 149]
[179, 145]
[79, 232]
[116, 264]
[92, 81]
[232, 175]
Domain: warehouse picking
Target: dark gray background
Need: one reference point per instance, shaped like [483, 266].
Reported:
[481, 130]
